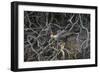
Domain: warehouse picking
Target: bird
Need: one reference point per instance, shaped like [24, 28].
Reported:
[60, 34]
